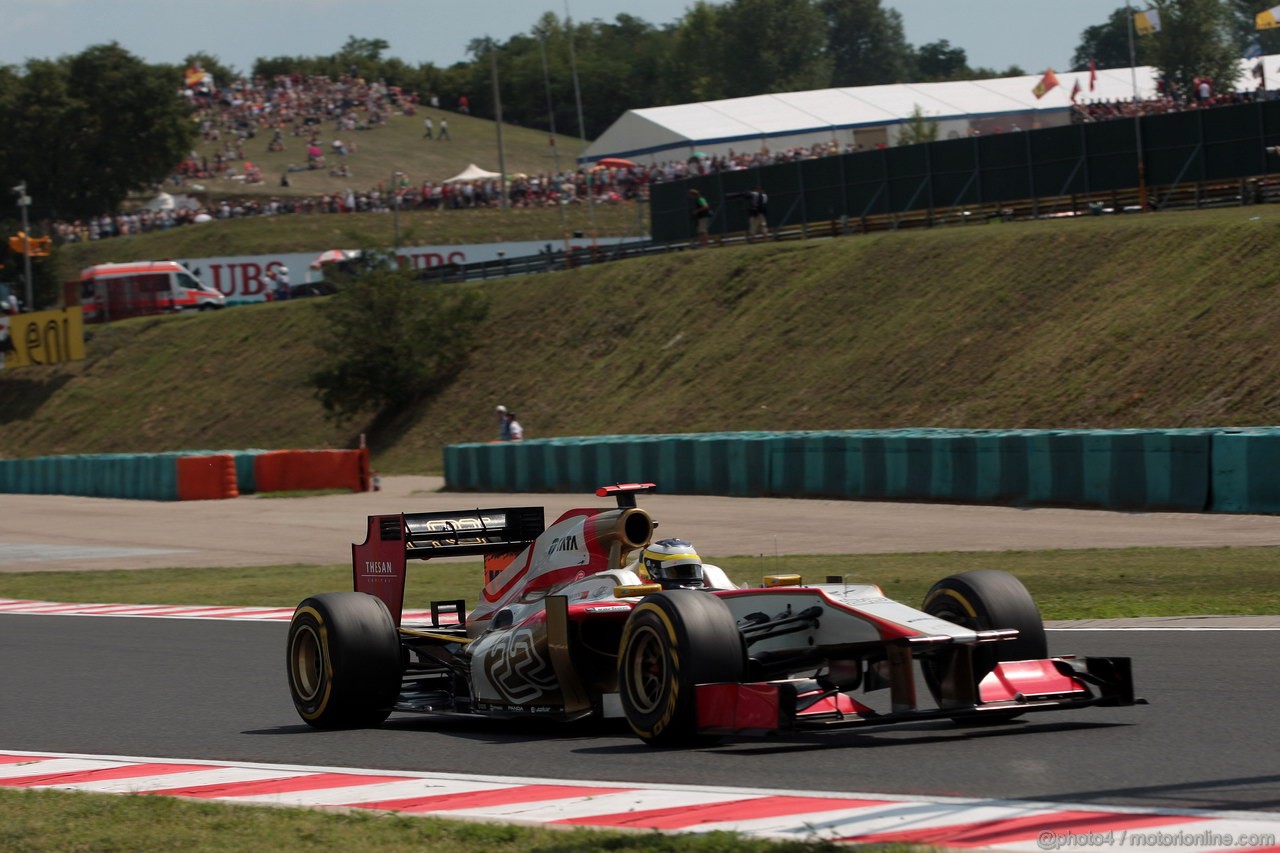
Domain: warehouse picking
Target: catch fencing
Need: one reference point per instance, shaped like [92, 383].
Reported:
[1194, 158]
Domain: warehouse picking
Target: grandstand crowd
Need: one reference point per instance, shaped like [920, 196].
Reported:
[320, 111]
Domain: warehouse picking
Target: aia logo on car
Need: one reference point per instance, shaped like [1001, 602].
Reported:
[564, 543]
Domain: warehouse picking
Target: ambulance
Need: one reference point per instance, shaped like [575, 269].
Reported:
[115, 291]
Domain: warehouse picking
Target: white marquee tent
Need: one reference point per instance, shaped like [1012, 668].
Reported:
[867, 115]
[472, 173]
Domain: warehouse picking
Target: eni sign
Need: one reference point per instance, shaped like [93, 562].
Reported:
[42, 337]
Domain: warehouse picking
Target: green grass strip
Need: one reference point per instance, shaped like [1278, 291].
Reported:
[1069, 584]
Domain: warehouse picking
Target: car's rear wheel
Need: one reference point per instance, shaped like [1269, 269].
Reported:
[344, 660]
[986, 599]
[673, 641]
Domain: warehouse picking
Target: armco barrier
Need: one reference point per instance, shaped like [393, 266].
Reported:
[1189, 470]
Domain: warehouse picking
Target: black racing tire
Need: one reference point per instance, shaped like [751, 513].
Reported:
[673, 641]
[344, 660]
[986, 599]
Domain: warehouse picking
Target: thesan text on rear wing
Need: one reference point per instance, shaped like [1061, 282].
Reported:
[378, 564]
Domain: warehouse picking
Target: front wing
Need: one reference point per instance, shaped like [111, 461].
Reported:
[1013, 686]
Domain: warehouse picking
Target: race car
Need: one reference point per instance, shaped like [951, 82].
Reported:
[568, 626]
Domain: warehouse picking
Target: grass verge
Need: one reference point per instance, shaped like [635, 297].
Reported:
[1070, 584]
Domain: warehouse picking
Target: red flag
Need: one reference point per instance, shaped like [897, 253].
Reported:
[1093, 75]
[1047, 82]
[1075, 90]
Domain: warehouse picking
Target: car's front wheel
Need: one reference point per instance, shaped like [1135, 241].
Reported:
[986, 599]
[344, 660]
[673, 641]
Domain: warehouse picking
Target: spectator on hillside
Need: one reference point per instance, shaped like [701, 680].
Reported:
[757, 203]
[701, 217]
[514, 430]
[427, 127]
[504, 424]
[444, 130]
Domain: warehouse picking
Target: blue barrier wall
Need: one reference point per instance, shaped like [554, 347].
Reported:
[1189, 470]
[142, 476]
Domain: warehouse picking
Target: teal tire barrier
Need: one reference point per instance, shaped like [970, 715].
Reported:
[1190, 470]
[139, 476]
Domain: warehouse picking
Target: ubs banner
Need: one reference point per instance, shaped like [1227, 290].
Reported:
[244, 278]
[41, 337]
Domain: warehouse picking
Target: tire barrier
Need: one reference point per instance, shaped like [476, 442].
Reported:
[1181, 470]
[1245, 471]
[311, 470]
[186, 475]
[205, 478]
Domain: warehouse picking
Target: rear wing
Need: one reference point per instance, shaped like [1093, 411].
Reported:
[378, 564]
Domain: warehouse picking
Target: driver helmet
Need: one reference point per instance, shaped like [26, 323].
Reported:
[673, 564]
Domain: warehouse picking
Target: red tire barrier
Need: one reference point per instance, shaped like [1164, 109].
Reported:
[304, 470]
[205, 478]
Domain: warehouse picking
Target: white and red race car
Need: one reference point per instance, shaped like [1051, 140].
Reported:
[568, 627]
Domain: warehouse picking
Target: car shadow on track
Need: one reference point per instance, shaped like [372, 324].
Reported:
[485, 730]
[1261, 793]
[902, 735]
[613, 737]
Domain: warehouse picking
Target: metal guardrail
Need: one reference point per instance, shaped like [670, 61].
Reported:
[549, 260]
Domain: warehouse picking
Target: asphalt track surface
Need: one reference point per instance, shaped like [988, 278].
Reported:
[209, 689]
[57, 533]
[217, 690]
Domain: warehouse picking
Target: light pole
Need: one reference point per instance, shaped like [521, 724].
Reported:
[1137, 112]
[551, 113]
[551, 120]
[497, 108]
[582, 125]
[24, 201]
[573, 68]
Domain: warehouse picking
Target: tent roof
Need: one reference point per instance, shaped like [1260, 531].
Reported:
[674, 131]
[473, 173]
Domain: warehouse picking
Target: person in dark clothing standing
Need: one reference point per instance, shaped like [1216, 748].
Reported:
[701, 217]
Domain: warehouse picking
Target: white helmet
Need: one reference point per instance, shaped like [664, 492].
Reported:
[672, 563]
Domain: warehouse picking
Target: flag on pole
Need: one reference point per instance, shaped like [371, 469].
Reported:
[1093, 74]
[1268, 19]
[1147, 22]
[1075, 91]
[1047, 82]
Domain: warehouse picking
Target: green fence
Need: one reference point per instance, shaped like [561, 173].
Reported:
[1191, 470]
[1221, 144]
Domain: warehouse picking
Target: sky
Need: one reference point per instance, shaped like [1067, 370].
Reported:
[1033, 34]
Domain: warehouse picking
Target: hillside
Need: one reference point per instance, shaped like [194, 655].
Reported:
[1166, 320]
[376, 154]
